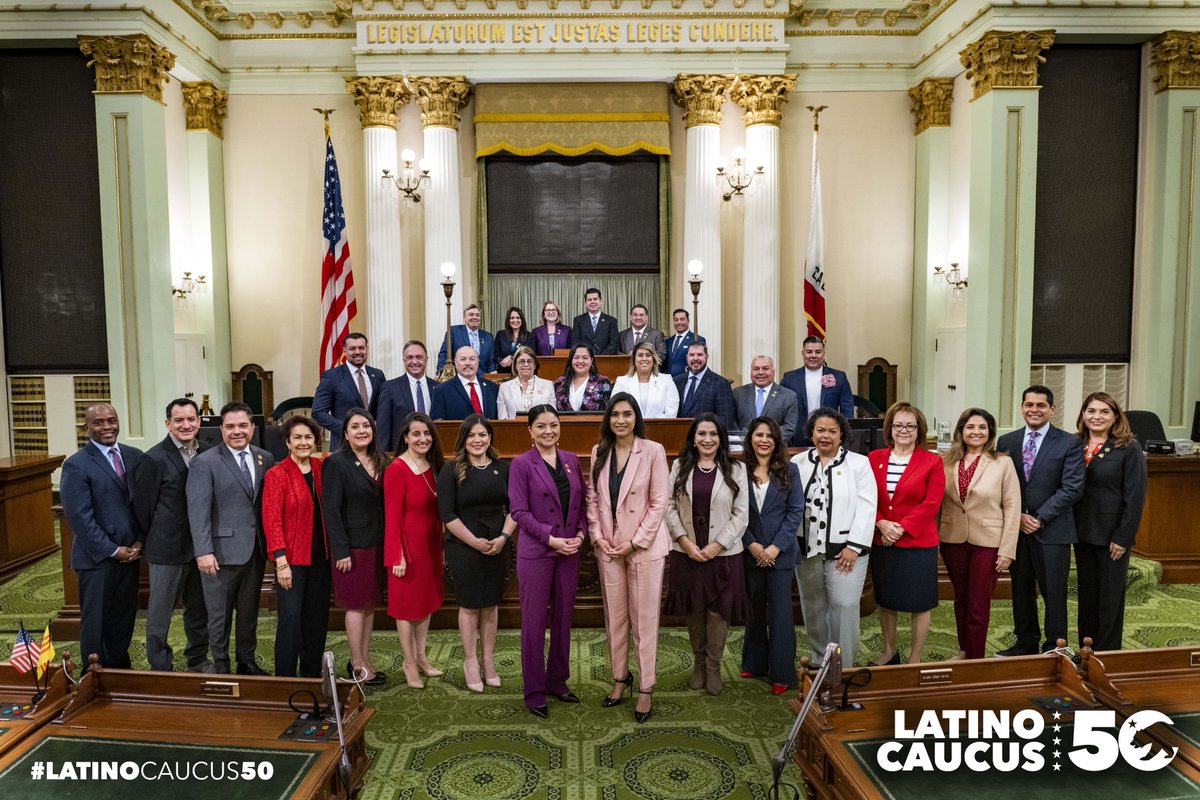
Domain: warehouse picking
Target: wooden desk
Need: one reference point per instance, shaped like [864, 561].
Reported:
[1170, 529]
[16, 688]
[550, 367]
[162, 707]
[26, 523]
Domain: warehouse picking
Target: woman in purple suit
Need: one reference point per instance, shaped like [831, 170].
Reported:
[553, 334]
[546, 499]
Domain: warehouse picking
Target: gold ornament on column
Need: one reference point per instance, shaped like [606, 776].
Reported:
[1005, 59]
[761, 97]
[441, 99]
[377, 98]
[700, 97]
[204, 107]
[128, 64]
[1176, 59]
[931, 99]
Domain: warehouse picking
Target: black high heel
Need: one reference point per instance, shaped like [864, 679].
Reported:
[642, 716]
[609, 702]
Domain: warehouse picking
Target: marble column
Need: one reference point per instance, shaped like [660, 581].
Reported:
[1002, 67]
[205, 107]
[131, 142]
[1165, 368]
[441, 99]
[701, 97]
[761, 98]
[931, 100]
[377, 98]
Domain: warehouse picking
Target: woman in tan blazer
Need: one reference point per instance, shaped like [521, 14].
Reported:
[978, 524]
[626, 510]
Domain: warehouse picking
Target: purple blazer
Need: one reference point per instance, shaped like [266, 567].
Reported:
[595, 394]
[541, 339]
[533, 503]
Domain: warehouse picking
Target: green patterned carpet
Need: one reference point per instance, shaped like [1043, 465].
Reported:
[445, 743]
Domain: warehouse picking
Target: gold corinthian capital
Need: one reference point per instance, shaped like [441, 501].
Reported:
[204, 107]
[128, 64]
[1005, 59]
[377, 98]
[931, 99]
[700, 97]
[441, 99]
[1176, 59]
[761, 97]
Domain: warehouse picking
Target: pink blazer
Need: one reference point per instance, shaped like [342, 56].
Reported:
[641, 507]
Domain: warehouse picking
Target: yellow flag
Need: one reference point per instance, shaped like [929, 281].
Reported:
[47, 654]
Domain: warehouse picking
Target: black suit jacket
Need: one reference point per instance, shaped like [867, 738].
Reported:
[352, 504]
[394, 404]
[160, 504]
[1055, 482]
[1114, 492]
[96, 504]
[451, 401]
[336, 394]
[714, 393]
[603, 341]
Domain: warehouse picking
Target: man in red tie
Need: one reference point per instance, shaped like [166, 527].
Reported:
[466, 393]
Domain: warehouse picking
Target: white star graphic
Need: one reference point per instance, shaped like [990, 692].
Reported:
[1057, 753]
[1057, 715]
[1057, 767]
[1057, 740]
[1057, 728]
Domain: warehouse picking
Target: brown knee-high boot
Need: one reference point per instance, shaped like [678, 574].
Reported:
[717, 630]
[698, 636]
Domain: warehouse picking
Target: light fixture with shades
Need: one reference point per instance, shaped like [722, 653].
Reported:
[736, 181]
[694, 268]
[447, 269]
[953, 277]
[409, 180]
[188, 285]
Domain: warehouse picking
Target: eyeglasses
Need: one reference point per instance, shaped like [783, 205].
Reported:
[904, 427]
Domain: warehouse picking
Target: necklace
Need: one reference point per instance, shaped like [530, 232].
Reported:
[706, 471]
[484, 466]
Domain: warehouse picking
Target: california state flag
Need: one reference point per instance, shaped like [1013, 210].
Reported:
[814, 258]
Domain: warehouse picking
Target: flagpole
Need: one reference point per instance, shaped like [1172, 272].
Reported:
[325, 112]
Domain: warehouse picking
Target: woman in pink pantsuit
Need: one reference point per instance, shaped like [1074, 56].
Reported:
[626, 510]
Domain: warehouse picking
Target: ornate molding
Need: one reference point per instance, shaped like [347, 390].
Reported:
[441, 99]
[931, 99]
[128, 64]
[1005, 58]
[204, 106]
[377, 98]
[762, 97]
[1176, 59]
[701, 97]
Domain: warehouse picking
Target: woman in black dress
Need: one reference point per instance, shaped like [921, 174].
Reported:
[512, 337]
[473, 501]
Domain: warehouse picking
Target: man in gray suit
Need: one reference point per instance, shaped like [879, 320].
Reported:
[764, 397]
[639, 331]
[224, 496]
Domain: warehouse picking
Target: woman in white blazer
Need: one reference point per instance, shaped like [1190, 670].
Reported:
[656, 394]
[835, 535]
[526, 389]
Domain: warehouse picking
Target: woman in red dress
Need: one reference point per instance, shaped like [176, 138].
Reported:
[412, 541]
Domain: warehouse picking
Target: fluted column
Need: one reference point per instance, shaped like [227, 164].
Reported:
[761, 98]
[204, 108]
[1002, 67]
[441, 100]
[131, 143]
[701, 97]
[377, 98]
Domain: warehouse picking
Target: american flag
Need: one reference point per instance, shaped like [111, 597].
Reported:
[25, 652]
[337, 281]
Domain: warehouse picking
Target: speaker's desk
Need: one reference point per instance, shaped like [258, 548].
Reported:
[19, 715]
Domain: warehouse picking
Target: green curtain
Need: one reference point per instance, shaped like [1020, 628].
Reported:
[528, 290]
[664, 245]
[481, 229]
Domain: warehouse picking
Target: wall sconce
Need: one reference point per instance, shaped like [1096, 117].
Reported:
[953, 277]
[694, 268]
[189, 285]
[408, 181]
[736, 179]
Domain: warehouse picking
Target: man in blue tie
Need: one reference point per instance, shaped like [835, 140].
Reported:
[763, 397]
[1049, 465]
[701, 389]
[677, 345]
[470, 334]
[401, 396]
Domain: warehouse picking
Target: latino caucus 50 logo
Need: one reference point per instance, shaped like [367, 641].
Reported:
[1001, 741]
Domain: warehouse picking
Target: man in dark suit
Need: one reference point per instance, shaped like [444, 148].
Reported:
[639, 331]
[95, 489]
[1049, 464]
[160, 507]
[470, 334]
[763, 397]
[701, 389]
[817, 386]
[224, 497]
[595, 328]
[401, 396]
[677, 345]
[466, 393]
[349, 385]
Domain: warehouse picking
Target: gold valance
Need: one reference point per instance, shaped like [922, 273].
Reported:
[528, 119]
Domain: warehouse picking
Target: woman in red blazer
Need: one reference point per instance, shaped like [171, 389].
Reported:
[295, 531]
[910, 481]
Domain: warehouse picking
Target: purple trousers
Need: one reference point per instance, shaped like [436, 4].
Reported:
[547, 587]
[972, 572]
